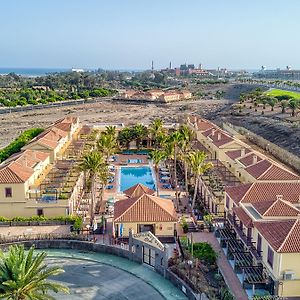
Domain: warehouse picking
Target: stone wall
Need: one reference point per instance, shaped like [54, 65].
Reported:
[281, 154]
[90, 246]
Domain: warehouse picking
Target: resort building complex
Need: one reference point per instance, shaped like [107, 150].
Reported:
[157, 95]
[260, 200]
[252, 200]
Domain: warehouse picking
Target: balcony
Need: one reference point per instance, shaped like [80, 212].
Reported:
[243, 237]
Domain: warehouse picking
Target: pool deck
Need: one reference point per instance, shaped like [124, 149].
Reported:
[121, 160]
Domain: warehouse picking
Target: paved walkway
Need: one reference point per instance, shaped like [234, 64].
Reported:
[230, 277]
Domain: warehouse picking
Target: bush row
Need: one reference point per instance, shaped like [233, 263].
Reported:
[19, 142]
[76, 220]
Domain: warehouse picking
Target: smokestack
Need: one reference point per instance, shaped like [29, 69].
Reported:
[213, 132]
[219, 136]
[170, 65]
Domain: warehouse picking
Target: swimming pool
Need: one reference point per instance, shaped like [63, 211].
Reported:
[129, 176]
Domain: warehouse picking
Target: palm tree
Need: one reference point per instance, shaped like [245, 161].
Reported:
[185, 146]
[24, 275]
[198, 166]
[157, 156]
[294, 104]
[175, 140]
[284, 104]
[107, 144]
[140, 132]
[125, 136]
[156, 130]
[111, 130]
[92, 164]
[272, 102]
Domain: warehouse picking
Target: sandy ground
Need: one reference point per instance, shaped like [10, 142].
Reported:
[108, 111]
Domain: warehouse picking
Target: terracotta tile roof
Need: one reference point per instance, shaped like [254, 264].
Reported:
[277, 208]
[236, 193]
[264, 191]
[145, 208]
[283, 236]
[275, 232]
[64, 126]
[243, 216]
[262, 206]
[278, 173]
[257, 170]
[248, 160]
[234, 154]
[49, 137]
[138, 190]
[20, 167]
[218, 137]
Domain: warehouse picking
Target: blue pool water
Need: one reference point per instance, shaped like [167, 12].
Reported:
[130, 176]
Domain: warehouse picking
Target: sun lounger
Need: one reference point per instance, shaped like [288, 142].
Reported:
[167, 186]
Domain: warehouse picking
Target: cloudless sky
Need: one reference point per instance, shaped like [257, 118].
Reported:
[128, 34]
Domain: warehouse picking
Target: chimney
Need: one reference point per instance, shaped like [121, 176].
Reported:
[254, 159]
[243, 152]
[219, 136]
[213, 132]
[279, 197]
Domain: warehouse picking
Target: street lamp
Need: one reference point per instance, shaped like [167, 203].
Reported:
[190, 265]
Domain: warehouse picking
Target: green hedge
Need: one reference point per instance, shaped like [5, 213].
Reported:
[19, 142]
[76, 220]
[205, 251]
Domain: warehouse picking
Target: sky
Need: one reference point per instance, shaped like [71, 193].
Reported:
[129, 34]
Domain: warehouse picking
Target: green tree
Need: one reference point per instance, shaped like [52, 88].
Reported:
[283, 104]
[156, 131]
[198, 167]
[272, 102]
[107, 144]
[157, 156]
[294, 104]
[24, 275]
[125, 136]
[188, 136]
[140, 132]
[92, 164]
[111, 130]
[175, 140]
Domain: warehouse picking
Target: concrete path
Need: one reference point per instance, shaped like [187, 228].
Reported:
[230, 277]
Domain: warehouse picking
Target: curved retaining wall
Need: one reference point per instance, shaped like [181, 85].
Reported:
[90, 246]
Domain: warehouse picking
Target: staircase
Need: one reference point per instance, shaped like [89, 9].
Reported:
[192, 227]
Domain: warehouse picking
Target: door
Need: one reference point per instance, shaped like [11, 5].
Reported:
[149, 256]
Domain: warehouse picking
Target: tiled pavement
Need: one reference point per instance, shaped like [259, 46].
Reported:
[230, 277]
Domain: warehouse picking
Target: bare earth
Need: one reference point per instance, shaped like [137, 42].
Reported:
[106, 111]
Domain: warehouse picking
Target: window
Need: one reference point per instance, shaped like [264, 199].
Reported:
[40, 212]
[8, 192]
[227, 201]
[258, 243]
[270, 256]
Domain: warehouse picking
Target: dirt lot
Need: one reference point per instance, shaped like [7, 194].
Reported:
[11, 125]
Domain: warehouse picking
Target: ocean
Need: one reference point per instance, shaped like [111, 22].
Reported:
[32, 72]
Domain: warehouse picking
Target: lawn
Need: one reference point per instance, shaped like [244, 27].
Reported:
[277, 92]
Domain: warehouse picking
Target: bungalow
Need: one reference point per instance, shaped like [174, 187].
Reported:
[17, 175]
[145, 213]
